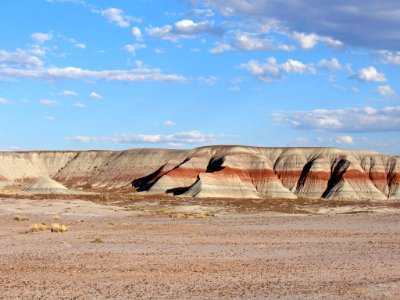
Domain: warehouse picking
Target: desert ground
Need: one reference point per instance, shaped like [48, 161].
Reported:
[201, 249]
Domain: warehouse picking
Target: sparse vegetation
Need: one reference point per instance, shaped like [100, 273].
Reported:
[21, 218]
[56, 218]
[55, 227]
[38, 227]
[98, 240]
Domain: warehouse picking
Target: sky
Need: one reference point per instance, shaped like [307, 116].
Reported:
[89, 74]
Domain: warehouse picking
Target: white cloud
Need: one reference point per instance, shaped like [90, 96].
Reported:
[49, 102]
[80, 46]
[189, 137]
[307, 41]
[365, 119]
[211, 80]
[360, 23]
[389, 57]
[184, 29]
[131, 48]
[370, 74]
[169, 123]
[3, 100]
[295, 66]
[19, 58]
[69, 93]
[344, 139]
[116, 15]
[220, 48]
[79, 105]
[263, 71]
[42, 37]
[73, 73]
[272, 70]
[245, 41]
[137, 33]
[251, 42]
[385, 90]
[334, 44]
[95, 95]
[202, 12]
[330, 65]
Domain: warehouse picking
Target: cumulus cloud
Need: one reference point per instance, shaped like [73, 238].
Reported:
[49, 102]
[74, 73]
[344, 139]
[330, 65]
[95, 95]
[370, 74]
[116, 16]
[370, 23]
[19, 58]
[189, 137]
[137, 33]
[295, 66]
[41, 37]
[270, 69]
[389, 57]
[309, 41]
[69, 93]
[385, 90]
[184, 29]
[248, 42]
[80, 45]
[169, 123]
[221, 47]
[132, 48]
[365, 119]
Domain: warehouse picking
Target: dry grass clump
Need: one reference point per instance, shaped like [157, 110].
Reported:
[38, 227]
[20, 218]
[55, 227]
[98, 240]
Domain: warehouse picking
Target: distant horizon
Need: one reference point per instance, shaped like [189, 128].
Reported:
[192, 148]
[85, 74]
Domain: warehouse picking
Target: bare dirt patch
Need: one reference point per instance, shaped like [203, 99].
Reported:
[131, 247]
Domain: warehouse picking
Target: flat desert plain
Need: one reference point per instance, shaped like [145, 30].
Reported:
[206, 249]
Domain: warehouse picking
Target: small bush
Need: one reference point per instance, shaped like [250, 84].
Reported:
[20, 218]
[55, 227]
[38, 227]
[98, 240]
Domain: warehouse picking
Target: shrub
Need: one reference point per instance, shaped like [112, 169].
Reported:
[20, 218]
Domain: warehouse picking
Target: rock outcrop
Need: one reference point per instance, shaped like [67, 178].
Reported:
[217, 171]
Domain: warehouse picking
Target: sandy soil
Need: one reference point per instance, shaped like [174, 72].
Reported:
[150, 250]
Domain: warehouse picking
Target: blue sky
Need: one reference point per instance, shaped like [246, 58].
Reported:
[87, 74]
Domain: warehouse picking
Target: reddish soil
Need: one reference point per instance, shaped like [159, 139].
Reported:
[234, 254]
